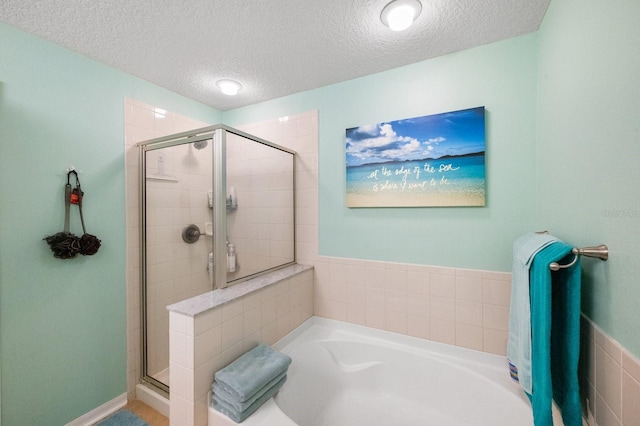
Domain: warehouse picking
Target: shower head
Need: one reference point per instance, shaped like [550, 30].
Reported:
[200, 145]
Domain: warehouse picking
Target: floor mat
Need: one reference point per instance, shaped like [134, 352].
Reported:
[123, 418]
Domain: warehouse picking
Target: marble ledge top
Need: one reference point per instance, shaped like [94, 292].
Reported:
[204, 302]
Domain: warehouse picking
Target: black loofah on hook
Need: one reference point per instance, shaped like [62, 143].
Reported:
[89, 244]
[66, 245]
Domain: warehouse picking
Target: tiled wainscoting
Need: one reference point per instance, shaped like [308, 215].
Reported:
[610, 379]
[461, 307]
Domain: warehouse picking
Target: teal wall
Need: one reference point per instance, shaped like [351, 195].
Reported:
[63, 323]
[500, 76]
[589, 146]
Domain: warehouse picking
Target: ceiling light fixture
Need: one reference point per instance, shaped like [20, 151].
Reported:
[400, 14]
[229, 87]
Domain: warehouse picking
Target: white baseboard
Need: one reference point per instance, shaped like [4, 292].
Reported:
[101, 412]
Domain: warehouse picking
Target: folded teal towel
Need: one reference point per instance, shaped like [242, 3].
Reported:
[519, 341]
[240, 416]
[555, 339]
[224, 396]
[245, 376]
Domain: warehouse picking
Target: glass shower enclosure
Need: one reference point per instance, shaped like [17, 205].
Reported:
[217, 207]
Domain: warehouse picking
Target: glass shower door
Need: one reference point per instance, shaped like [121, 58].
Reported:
[177, 242]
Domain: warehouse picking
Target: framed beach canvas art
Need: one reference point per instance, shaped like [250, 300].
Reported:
[430, 161]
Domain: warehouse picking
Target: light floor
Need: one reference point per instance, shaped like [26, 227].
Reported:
[146, 413]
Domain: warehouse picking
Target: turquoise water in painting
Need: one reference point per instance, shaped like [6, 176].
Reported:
[460, 176]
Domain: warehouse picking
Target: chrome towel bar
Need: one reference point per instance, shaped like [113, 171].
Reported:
[599, 252]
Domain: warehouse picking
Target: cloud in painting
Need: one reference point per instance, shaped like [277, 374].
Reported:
[380, 143]
[435, 140]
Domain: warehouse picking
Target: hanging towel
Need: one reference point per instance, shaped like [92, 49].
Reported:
[519, 342]
[555, 327]
[240, 416]
[245, 376]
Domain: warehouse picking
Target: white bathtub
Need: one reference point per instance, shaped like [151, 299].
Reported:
[347, 375]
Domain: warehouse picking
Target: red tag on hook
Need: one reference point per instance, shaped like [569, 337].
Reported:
[76, 196]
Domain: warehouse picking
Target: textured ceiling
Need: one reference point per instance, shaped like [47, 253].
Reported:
[273, 47]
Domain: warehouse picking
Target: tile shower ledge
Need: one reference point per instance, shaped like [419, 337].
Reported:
[212, 299]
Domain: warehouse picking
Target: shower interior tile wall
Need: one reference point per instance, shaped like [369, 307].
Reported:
[261, 227]
[299, 133]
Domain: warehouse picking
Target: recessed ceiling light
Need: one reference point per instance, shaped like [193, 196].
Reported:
[400, 14]
[229, 87]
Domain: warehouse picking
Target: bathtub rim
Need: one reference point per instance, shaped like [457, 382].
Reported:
[415, 344]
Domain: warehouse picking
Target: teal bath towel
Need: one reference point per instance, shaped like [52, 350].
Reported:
[240, 416]
[245, 376]
[223, 396]
[555, 336]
